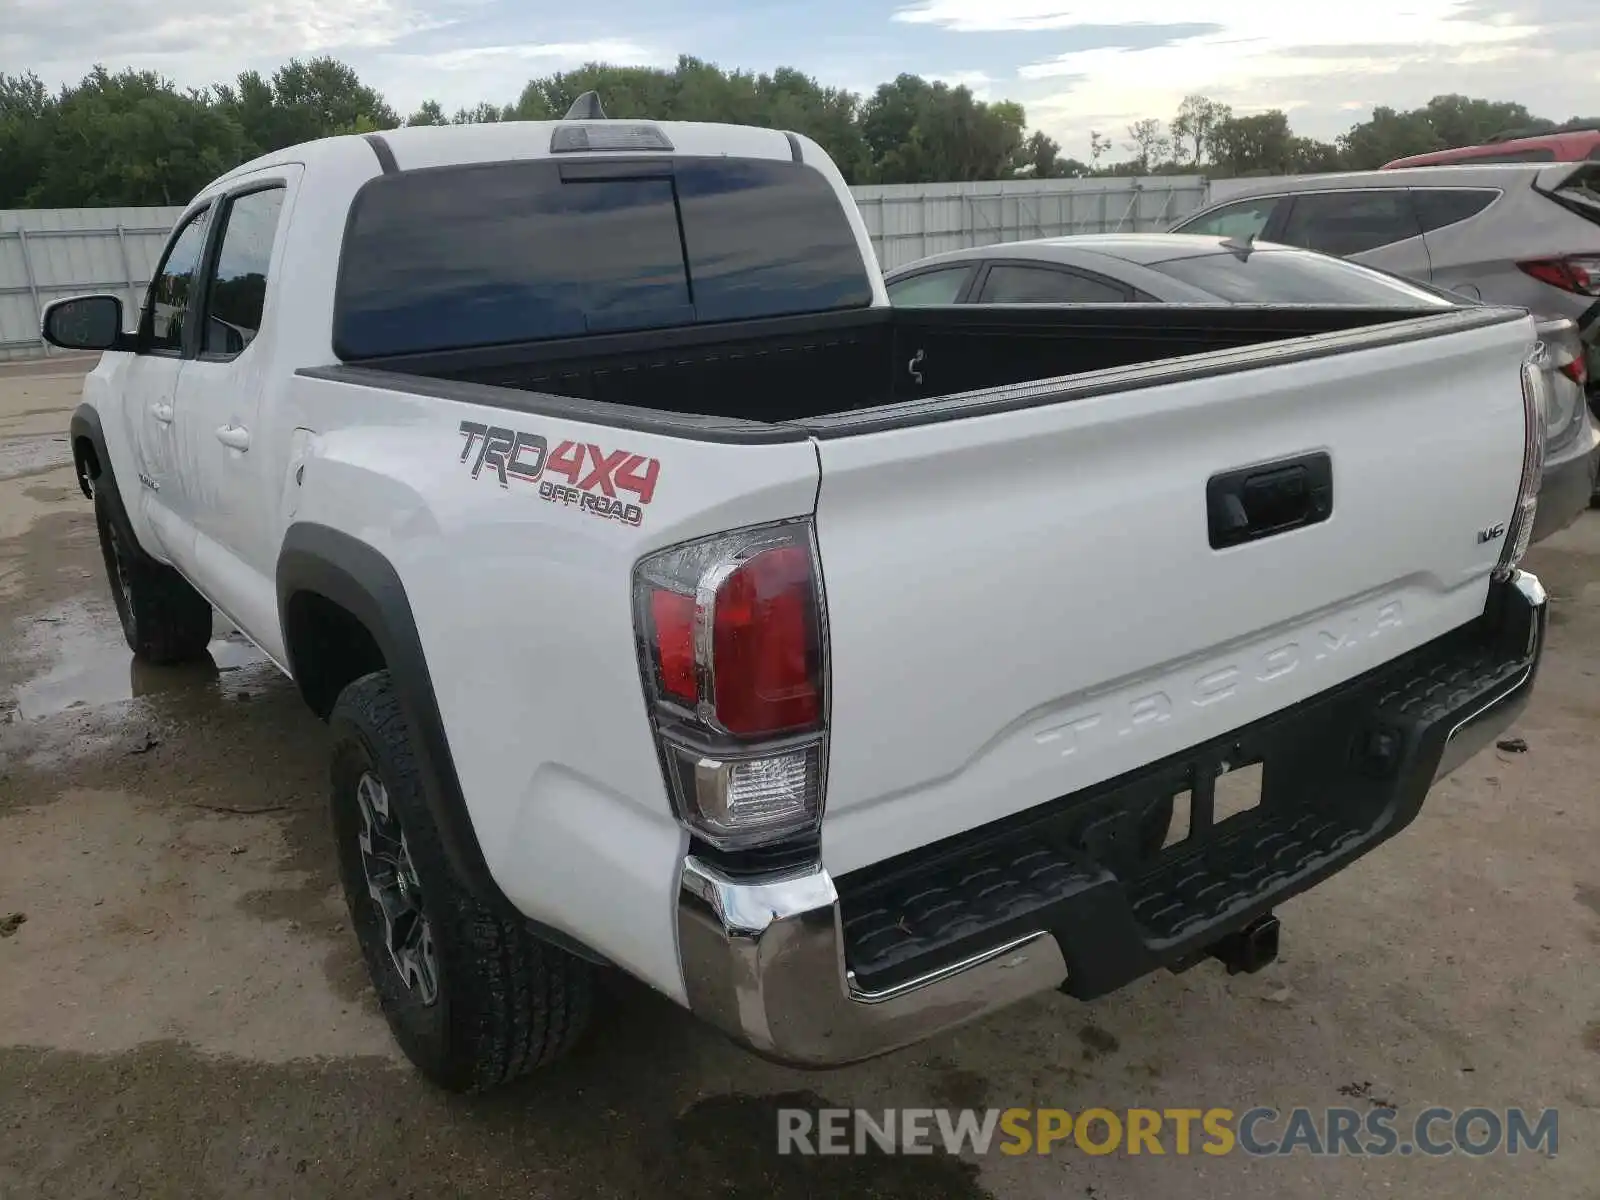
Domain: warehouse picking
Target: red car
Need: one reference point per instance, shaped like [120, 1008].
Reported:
[1574, 144]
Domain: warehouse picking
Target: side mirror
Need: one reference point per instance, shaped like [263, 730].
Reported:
[84, 323]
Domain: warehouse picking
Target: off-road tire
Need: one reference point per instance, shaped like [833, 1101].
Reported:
[163, 619]
[507, 1002]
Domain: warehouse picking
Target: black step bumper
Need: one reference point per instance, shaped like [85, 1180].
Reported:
[815, 971]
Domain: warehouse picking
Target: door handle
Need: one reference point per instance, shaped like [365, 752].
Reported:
[1269, 498]
[235, 437]
[162, 413]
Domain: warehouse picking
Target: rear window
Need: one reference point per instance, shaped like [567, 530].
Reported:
[526, 251]
[1350, 222]
[1438, 207]
[1289, 277]
[1013, 283]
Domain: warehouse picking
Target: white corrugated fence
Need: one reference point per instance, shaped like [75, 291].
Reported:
[49, 253]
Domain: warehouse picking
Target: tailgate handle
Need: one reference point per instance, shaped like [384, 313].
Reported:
[1251, 503]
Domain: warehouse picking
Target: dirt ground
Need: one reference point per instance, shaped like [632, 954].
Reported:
[183, 1011]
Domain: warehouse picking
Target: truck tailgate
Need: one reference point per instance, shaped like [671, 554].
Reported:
[1026, 602]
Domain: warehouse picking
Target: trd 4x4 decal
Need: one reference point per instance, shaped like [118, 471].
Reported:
[594, 477]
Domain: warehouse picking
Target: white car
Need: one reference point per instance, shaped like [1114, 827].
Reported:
[682, 607]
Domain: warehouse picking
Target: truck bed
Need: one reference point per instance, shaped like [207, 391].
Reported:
[805, 368]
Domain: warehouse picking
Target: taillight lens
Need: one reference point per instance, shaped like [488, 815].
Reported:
[1519, 532]
[672, 619]
[1578, 273]
[733, 648]
[766, 672]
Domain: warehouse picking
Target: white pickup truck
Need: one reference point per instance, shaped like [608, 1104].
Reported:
[681, 607]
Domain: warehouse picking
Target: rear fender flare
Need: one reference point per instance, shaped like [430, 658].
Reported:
[340, 568]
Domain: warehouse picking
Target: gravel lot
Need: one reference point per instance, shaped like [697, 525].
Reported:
[183, 1013]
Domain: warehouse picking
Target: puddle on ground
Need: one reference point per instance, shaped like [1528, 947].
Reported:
[88, 665]
[32, 454]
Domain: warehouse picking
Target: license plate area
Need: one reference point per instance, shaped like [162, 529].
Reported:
[1235, 792]
[1217, 790]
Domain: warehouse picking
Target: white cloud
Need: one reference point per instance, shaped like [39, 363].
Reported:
[979, 83]
[380, 38]
[1306, 57]
[545, 54]
[45, 32]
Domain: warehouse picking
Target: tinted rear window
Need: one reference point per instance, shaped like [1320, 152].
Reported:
[1013, 283]
[528, 251]
[1286, 277]
[1350, 222]
[1438, 207]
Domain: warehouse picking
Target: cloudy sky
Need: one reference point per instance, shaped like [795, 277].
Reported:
[1076, 65]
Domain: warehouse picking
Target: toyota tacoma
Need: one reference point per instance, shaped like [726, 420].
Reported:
[680, 607]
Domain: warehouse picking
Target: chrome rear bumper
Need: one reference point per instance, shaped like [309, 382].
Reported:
[764, 958]
[764, 961]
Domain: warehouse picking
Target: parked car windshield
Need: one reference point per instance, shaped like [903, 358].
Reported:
[1295, 277]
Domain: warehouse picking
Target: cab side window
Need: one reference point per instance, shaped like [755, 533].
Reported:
[170, 291]
[236, 293]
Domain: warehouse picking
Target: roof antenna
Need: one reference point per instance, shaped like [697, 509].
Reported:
[586, 108]
[1240, 249]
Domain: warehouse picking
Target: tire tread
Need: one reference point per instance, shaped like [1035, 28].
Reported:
[516, 1002]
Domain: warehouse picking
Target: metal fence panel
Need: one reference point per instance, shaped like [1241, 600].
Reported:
[49, 253]
[911, 221]
[53, 252]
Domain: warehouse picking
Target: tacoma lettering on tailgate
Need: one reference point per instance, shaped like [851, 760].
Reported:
[594, 477]
[1133, 712]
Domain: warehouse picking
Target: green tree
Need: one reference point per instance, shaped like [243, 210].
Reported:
[428, 113]
[1149, 144]
[133, 138]
[1388, 134]
[483, 114]
[1197, 119]
[1444, 123]
[301, 102]
[27, 120]
[918, 131]
[695, 90]
[1099, 147]
[1308, 156]
[1261, 144]
[1462, 121]
[1040, 157]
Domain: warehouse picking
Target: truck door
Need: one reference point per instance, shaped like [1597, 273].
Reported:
[165, 325]
[223, 468]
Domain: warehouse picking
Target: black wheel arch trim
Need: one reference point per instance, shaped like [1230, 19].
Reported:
[85, 426]
[326, 562]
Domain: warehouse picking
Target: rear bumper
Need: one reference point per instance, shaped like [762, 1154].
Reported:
[817, 972]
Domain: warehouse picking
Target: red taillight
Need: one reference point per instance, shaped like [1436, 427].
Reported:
[1579, 274]
[764, 645]
[1577, 370]
[672, 617]
[734, 653]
